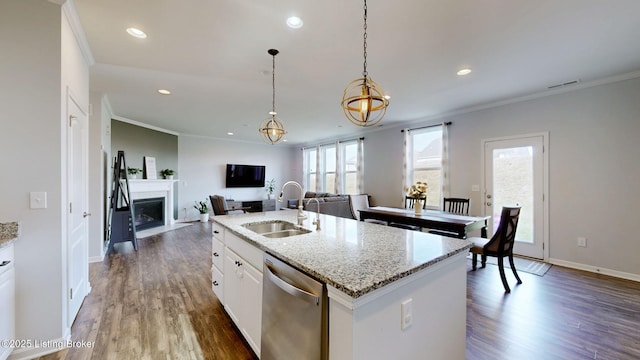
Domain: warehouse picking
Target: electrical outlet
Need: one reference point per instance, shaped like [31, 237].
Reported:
[582, 241]
[406, 313]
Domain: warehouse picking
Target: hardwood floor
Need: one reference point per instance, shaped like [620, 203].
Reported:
[157, 303]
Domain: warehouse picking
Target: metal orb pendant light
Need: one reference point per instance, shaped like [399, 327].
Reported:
[272, 128]
[364, 102]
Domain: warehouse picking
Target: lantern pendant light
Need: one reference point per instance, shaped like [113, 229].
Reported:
[363, 101]
[272, 128]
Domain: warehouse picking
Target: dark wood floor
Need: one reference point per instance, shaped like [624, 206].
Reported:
[157, 303]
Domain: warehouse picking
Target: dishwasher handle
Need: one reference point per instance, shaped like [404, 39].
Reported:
[290, 289]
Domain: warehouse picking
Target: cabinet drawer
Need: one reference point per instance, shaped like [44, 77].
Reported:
[217, 283]
[245, 250]
[217, 231]
[217, 255]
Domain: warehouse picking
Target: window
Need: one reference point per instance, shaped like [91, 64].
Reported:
[323, 167]
[328, 158]
[350, 173]
[311, 168]
[424, 161]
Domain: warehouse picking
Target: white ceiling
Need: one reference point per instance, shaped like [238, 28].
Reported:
[212, 55]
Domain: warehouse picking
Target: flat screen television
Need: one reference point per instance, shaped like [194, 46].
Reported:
[245, 175]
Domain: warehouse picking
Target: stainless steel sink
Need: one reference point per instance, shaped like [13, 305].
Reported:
[276, 229]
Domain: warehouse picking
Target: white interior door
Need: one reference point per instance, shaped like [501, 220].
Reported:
[78, 234]
[515, 171]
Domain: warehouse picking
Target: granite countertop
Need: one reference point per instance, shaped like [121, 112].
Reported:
[8, 232]
[353, 256]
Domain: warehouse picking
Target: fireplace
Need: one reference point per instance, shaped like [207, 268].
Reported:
[148, 213]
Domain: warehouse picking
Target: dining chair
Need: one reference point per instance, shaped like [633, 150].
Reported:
[500, 245]
[219, 205]
[360, 202]
[456, 205]
[409, 202]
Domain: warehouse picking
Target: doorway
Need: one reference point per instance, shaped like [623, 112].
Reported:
[516, 174]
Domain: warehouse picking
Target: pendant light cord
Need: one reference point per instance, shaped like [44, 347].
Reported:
[364, 72]
[273, 84]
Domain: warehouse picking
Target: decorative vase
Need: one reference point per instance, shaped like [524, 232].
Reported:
[417, 206]
[204, 217]
[134, 176]
[268, 196]
[169, 177]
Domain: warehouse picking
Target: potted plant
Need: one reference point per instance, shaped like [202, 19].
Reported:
[133, 172]
[270, 188]
[203, 209]
[167, 174]
[418, 192]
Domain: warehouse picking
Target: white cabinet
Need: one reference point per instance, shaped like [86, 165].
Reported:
[217, 260]
[7, 298]
[236, 277]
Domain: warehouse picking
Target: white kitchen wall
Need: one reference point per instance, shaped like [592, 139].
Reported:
[202, 165]
[594, 168]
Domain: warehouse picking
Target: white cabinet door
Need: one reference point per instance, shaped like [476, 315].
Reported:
[233, 285]
[217, 283]
[7, 309]
[252, 308]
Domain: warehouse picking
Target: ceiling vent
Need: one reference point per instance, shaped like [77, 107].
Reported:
[573, 82]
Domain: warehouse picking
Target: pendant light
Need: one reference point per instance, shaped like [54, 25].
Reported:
[364, 102]
[272, 128]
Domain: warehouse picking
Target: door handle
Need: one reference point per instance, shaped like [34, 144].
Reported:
[85, 214]
[488, 203]
[488, 196]
[5, 263]
[290, 289]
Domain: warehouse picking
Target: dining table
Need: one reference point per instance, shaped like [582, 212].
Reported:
[456, 225]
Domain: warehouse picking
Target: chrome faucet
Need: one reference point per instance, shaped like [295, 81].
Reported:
[301, 215]
[317, 221]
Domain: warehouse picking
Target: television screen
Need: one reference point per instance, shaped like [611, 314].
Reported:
[245, 175]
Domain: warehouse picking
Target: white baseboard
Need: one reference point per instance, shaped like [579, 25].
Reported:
[95, 259]
[595, 269]
[40, 349]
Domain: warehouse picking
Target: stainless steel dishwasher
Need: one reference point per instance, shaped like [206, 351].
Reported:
[294, 314]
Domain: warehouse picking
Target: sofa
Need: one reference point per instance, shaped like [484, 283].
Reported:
[330, 204]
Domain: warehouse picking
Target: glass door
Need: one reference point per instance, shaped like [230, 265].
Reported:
[514, 171]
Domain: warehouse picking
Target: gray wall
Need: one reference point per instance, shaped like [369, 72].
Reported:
[138, 142]
[594, 168]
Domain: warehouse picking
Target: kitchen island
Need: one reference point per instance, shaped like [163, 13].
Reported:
[393, 293]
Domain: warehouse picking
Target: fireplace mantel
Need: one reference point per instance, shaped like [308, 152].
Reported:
[146, 189]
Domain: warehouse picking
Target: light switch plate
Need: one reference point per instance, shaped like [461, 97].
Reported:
[38, 200]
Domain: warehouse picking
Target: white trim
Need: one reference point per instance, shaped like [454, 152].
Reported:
[141, 124]
[69, 11]
[595, 269]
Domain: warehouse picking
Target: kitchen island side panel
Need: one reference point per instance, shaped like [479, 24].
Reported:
[371, 329]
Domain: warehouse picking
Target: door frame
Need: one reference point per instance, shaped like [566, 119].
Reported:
[545, 181]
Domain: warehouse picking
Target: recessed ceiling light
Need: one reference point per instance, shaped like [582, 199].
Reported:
[284, 140]
[294, 22]
[463, 72]
[230, 133]
[164, 92]
[136, 33]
